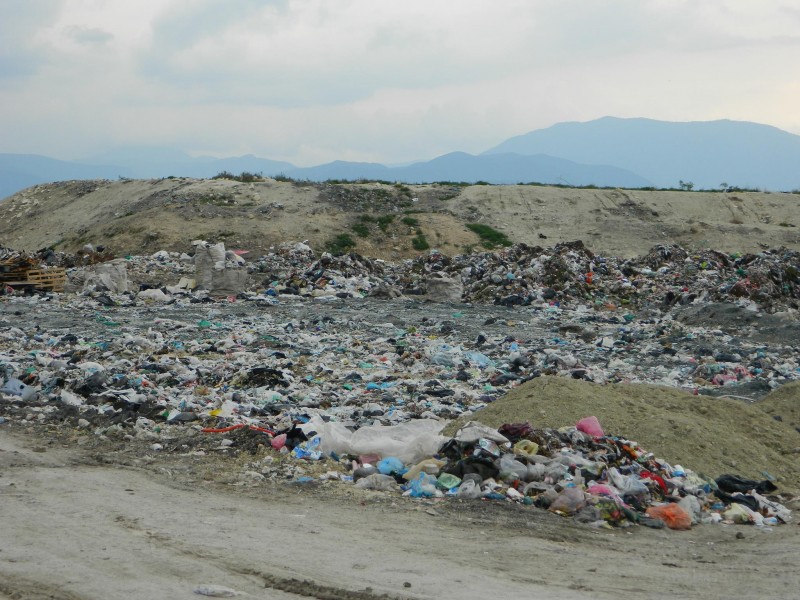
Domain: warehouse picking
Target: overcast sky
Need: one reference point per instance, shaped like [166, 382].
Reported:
[311, 81]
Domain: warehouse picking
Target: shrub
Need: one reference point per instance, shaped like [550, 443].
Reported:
[245, 177]
[384, 221]
[361, 230]
[341, 244]
[419, 243]
[410, 221]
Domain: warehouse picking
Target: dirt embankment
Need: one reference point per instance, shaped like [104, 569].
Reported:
[387, 221]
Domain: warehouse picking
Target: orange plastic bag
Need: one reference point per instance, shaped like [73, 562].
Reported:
[673, 515]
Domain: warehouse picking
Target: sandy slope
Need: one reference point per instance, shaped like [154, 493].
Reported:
[137, 216]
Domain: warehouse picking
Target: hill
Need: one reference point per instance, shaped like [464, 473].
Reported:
[387, 220]
[708, 154]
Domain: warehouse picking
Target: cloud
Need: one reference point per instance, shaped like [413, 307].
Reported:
[309, 53]
[21, 52]
[89, 35]
[313, 80]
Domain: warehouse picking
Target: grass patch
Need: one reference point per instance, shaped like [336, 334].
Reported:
[384, 221]
[490, 237]
[403, 189]
[341, 244]
[410, 221]
[216, 199]
[419, 242]
[361, 230]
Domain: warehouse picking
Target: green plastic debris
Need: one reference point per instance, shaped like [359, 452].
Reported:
[448, 481]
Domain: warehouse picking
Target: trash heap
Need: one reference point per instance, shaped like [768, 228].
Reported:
[302, 353]
[564, 275]
[294, 269]
[577, 472]
[19, 271]
[522, 275]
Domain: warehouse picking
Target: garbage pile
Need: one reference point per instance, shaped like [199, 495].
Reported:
[575, 471]
[294, 269]
[304, 353]
[523, 275]
[19, 271]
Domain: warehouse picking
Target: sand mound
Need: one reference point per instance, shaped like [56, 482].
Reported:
[784, 403]
[709, 435]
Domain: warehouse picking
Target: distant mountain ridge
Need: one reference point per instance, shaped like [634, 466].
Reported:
[507, 168]
[706, 153]
[606, 152]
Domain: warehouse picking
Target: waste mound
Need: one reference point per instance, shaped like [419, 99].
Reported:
[714, 435]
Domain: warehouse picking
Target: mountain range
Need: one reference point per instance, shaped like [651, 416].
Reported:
[606, 152]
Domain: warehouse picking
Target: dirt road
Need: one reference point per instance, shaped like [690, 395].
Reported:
[75, 527]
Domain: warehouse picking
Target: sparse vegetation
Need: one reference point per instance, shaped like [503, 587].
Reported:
[410, 221]
[419, 242]
[216, 199]
[341, 244]
[403, 189]
[384, 221]
[490, 237]
[244, 177]
[449, 196]
[361, 230]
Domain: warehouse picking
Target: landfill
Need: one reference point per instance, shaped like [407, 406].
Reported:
[352, 368]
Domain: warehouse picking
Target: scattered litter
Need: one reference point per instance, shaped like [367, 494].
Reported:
[359, 366]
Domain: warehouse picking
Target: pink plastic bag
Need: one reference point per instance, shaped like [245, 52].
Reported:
[591, 426]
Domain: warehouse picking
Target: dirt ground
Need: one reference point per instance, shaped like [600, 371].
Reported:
[87, 521]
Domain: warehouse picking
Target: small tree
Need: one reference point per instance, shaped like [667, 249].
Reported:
[686, 186]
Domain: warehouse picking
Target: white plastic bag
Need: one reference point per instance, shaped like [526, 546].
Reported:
[410, 441]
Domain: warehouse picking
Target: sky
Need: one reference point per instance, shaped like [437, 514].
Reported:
[311, 81]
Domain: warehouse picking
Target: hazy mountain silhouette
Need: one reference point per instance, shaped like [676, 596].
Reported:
[605, 152]
[498, 169]
[707, 153]
[18, 171]
[149, 162]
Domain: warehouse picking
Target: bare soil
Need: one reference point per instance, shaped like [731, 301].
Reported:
[84, 521]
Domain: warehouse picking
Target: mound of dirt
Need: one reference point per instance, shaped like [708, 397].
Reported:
[711, 436]
[783, 404]
[388, 221]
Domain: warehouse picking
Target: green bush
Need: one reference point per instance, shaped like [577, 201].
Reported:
[245, 177]
[341, 244]
[361, 230]
[384, 221]
[410, 221]
[419, 242]
[490, 237]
